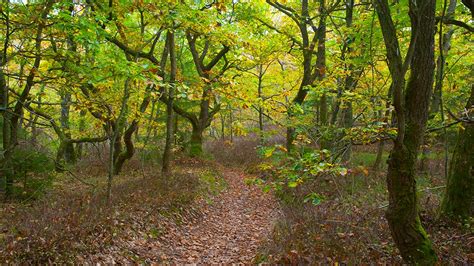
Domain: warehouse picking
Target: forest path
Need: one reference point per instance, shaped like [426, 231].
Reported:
[231, 228]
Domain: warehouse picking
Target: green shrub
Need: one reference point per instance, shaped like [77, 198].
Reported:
[31, 172]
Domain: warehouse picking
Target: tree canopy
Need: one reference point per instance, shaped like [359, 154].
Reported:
[312, 81]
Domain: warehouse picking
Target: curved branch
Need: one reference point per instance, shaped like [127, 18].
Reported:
[459, 24]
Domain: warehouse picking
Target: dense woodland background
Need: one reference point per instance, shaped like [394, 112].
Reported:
[334, 131]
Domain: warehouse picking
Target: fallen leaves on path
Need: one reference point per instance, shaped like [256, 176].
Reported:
[226, 228]
[231, 227]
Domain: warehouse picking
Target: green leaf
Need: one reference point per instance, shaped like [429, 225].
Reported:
[292, 184]
[314, 198]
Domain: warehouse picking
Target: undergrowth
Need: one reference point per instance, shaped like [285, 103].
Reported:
[348, 225]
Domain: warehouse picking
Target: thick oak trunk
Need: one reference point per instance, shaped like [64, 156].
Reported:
[195, 145]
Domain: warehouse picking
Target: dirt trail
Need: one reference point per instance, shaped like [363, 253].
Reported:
[230, 230]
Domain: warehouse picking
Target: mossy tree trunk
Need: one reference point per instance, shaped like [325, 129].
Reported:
[458, 201]
[411, 116]
[202, 120]
[69, 151]
[195, 145]
[66, 153]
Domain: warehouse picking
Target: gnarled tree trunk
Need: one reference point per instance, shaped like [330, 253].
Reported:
[122, 156]
[412, 114]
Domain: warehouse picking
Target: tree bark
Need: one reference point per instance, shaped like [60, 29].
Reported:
[350, 82]
[379, 157]
[320, 70]
[441, 61]
[82, 127]
[114, 134]
[231, 123]
[122, 156]
[412, 113]
[169, 106]
[260, 107]
[195, 147]
[222, 126]
[206, 114]
[436, 101]
[458, 201]
[68, 153]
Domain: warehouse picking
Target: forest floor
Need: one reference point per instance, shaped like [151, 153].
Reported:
[207, 212]
[220, 219]
[229, 228]
[348, 226]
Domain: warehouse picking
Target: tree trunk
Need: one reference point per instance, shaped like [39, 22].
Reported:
[402, 214]
[310, 73]
[82, 127]
[117, 143]
[5, 171]
[69, 152]
[222, 115]
[123, 156]
[195, 149]
[119, 156]
[34, 130]
[231, 124]
[290, 137]
[436, 101]
[60, 155]
[412, 113]
[350, 82]
[386, 116]
[5, 115]
[114, 133]
[323, 119]
[321, 70]
[441, 61]
[169, 107]
[260, 108]
[458, 201]
[378, 159]
[177, 139]
[348, 121]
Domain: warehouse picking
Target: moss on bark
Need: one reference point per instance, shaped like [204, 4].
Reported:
[458, 201]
